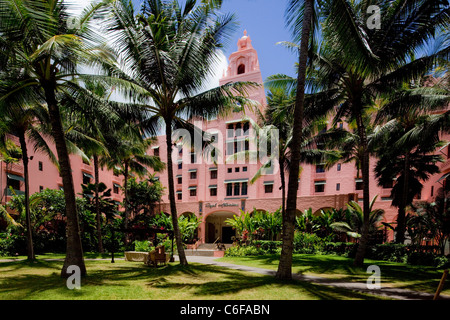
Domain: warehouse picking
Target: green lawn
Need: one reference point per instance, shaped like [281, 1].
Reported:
[133, 280]
[401, 275]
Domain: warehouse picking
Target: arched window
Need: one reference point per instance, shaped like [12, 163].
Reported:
[241, 69]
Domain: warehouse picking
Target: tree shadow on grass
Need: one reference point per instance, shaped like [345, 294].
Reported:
[198, 281]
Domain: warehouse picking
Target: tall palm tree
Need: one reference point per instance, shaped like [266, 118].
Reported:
[128, 156]
[169, 51]
[357, 64]
[301, 16]
[47, 49]
[24, 123]
[94, 131]
[411, 159]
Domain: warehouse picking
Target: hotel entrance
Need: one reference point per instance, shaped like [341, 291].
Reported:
[218, 229]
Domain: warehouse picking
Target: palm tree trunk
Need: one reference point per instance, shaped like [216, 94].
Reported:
[285, 266]
[283, 186]
[74, 251]
[365, 162]
[173, 206]
[401, 217]
[97, 205]
[125, 200]
[23, 146]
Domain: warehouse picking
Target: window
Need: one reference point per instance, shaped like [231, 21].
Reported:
[116, 188]
[237, 169]
[338, 167]
[87, 178]
[156, 152]
[230, 170]
[180, 165]
[180, 180]
[213, 192]
[41, 188]
[229, 189]
[193, 158]
[359, 185]
[230, 148]
[247, 145]
[246, 128]
[432, 190]
[41, 166]
[213, 174]
[268, 188]
[319, 186]
[244, 188]
[179, 195]
[238, 130]
[193, 192]
[230, 131]
[241, 69]
[320, 168]
[338, 186]
[13, 181]
[237, 189]
[193, 175]
[244, 169]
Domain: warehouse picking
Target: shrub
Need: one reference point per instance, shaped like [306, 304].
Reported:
[269, 247]
[142, 246]
[340, 248]
[388, 252]
[308, 243]
[242, 251]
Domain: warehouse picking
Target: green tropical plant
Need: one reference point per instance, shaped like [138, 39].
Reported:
[43, 60]
[129, 156]
[169, 51]
[302, 19]
[354, 223]
[356, 64]
[413, 138]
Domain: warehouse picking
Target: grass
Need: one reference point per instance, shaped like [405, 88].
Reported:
[22, 280]
[400, 275]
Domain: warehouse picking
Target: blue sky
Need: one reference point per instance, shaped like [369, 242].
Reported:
[265, 23]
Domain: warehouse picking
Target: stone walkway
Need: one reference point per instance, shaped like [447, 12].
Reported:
[393, 293]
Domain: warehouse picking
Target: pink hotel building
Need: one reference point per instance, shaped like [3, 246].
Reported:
[216, 192]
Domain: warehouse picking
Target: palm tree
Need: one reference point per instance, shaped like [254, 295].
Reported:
[127, 156]
[354, 223]
[301, 16]
[47, 50]
[24, 123]
[410, 159]
[355, 64]
[169, 51]
[92, 131]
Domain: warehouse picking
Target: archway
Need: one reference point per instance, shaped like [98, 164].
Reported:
[241, 69]
[317, 212]
[218, 229]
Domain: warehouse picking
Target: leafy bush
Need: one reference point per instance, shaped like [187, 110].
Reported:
[308, 243]
[340, 248]
[388, 252]
[142, 246]
[269, 247]
[242, 251]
